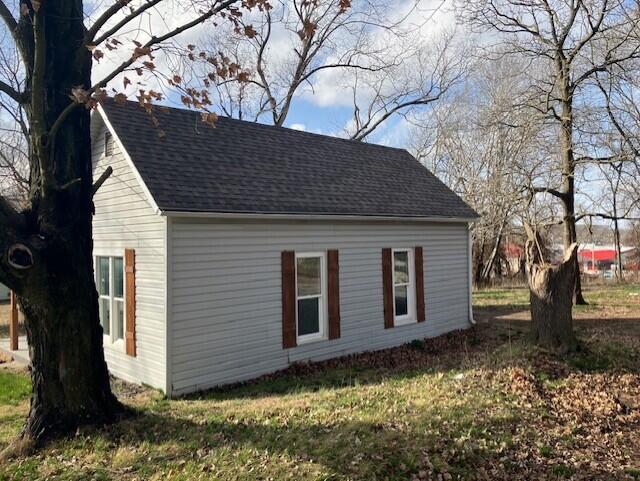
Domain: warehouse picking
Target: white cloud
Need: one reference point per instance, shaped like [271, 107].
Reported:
[394, 135]
[298, 126]
[423, 22]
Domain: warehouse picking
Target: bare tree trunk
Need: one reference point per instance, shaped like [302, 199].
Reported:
[616, 234]
[479, 263]
[551, 289]
[616, 238]
[486, 271]
[69, 374]
[522, 268]
[47, 259]
[570, 238]
[567, 196]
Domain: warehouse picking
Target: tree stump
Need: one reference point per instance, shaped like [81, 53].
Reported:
[551, 289]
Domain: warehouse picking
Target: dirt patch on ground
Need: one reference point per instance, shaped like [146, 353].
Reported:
[5, 358]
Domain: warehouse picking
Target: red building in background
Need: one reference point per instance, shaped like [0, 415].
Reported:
[595, 259]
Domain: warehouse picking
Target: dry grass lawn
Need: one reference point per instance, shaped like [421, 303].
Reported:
[482, 404]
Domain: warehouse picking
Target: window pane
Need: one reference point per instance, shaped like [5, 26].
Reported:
[118, 320]
[308, 272]
[401, 267]
[118, 277]
[102, 266]
[401, 301]
[308, 316]
[104, 315]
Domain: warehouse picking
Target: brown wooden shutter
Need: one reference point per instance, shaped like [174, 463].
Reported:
[417, 255]
[288, 299]
[387, 287]
[130, 292]
[333, 294]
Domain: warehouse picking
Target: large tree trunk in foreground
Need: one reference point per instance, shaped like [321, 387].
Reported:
[69, 374]
[47, 255]
[551, 289]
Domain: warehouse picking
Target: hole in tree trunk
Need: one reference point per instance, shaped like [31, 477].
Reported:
[20, 257]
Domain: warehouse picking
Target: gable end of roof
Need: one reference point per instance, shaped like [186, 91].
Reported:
[240, 168]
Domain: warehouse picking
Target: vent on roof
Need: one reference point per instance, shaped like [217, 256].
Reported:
[108, 144]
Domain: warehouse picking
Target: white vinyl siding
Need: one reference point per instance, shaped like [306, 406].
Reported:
[226, 300]
[125, 219]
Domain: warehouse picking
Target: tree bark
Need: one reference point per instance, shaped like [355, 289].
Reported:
[69, 373]
[47, 260]
[551, 289]
[616, 239]
[489, 266]
[568, 166]
[620, 265]
[478, 253]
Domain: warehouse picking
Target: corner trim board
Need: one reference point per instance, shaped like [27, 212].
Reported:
[168, 298]
[470, 270]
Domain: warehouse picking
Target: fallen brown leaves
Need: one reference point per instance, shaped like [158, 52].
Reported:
[571, 423]
[588, 422]
[480, 404]
[423, 353]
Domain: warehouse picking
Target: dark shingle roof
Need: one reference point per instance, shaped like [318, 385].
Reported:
[245, 167]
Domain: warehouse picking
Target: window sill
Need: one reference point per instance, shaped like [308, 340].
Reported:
[404, 321]
[301, 341]
[117, 346]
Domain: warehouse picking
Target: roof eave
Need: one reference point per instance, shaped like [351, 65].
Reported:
[304, 216]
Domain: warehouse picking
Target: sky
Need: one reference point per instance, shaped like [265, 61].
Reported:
[320, 107]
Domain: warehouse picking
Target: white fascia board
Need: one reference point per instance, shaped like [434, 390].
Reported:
[332, 217]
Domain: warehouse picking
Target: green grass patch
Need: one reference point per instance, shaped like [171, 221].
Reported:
[598, 297]
[492, 408]
[14, 387]
[508, 297]
[598, 356]
[562, 471]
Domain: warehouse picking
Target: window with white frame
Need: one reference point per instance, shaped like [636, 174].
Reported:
[110, 283]
[311, 297]
[403, 286]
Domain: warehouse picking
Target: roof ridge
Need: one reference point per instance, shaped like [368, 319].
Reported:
[268, 126]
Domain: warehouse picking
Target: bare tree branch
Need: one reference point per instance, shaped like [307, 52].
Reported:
[547, 190]
[104, 18]
[13, 27]
[163, 38]
[11, 92]
[101, 180]
[6, 15]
